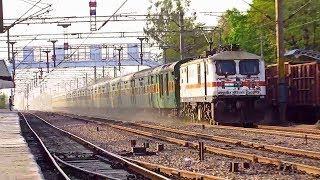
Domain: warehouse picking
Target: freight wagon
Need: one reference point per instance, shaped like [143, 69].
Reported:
[303, 80]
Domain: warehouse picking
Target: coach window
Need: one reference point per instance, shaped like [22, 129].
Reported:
[167, 83]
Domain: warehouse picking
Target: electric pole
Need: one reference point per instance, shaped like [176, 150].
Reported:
[13, 61]
[54, 52]
[119, 51]
[141, 48]
[47, 53]
[182, 48]
[165, 53]
[282, 88]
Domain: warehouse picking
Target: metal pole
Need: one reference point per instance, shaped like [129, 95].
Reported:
[54, 52]
[8, 40]
[77, 83]
[182, 48]
[1, 17]
[103, 71]
[165, 54]
[86, 79]
[13, 61]
[119, 64]
[261, 46]
[280, 59]
[47, 52]
[95, 74]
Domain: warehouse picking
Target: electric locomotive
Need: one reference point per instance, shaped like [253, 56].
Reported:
[227, 86]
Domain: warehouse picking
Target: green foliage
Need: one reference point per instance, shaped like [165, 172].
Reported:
[163, 27]
[301, 21]
[2, 101]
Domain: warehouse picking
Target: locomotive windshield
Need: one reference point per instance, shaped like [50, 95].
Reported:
[225, 68]
[249, 67]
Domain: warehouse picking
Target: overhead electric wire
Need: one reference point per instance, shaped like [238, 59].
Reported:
[112, 15]
[258, 10]
[296, 11]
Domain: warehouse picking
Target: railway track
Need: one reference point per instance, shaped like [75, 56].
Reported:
[75, 157]
[290, 129]
[142, 129]
[269, 130]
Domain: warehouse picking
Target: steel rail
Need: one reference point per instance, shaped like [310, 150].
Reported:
[290, 129]
[96, 175]
[175, 172]
[64, 175]
[260, 159]
[265, 131]
[130, 165]
[311, 170]
[158, 168]
[300, 152]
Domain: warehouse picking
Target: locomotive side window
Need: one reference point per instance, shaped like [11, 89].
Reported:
[249, 67]
[225, 67]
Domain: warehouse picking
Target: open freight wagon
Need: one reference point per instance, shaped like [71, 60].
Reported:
[303, 90]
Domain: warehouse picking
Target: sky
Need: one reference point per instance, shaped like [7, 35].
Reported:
[62, 8]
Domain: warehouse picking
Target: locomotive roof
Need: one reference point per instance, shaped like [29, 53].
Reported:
[234, 55]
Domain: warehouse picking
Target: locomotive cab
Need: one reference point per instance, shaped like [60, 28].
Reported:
[227, 87]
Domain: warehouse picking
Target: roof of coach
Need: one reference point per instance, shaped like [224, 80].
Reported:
[115, 80]
[127, 77]
[234, 55]
[164, 68]
[143, 73]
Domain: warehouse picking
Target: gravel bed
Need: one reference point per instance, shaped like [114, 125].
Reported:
[175, 156]
[284, 141]
[231, 147]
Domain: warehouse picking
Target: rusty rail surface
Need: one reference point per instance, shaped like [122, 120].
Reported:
[91, 146]
[290, 129]
[266, 131]
[315, 171]
[51, 158]
[311, 154]
[175, 172]
[135, 167]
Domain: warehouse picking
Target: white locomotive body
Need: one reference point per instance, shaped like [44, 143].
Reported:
[227, 84]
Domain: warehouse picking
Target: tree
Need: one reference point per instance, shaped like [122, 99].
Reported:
[163, 28]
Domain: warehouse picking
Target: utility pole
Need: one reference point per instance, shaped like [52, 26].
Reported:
[182, 48]
[95, 74]
[280, 59]
[13, 61]
[119, 51]
[141, 48]
[210, 44]
[8, 40]
[47, 52]
[165, 53]
[86, 79]
[54, 52]
[261, 46]
[1, 16]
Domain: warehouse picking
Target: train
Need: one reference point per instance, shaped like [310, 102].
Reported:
[226, 85]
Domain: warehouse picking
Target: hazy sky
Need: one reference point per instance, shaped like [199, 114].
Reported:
[15, 8]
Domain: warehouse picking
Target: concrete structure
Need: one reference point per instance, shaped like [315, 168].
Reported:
[16, 160]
